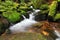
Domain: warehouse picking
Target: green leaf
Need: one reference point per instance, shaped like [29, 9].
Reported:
[52, 8]
[57, 16]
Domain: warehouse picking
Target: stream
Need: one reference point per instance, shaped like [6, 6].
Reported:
[57, 32]
[24, 24]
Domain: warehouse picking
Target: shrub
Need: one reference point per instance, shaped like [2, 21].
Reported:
[12, 10]
[12, 16]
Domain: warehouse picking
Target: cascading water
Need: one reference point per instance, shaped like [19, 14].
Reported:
[24, 24]
[57, 33]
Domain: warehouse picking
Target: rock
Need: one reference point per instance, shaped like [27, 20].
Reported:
[3, 25]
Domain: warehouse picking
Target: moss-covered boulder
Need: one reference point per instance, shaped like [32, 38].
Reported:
[41, 17]
[3, 25]
[24, 36]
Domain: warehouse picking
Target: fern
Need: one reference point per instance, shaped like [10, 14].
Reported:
[52, 8]
[44, 7]
[36, 3]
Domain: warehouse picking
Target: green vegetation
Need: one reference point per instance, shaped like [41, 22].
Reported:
[44, 7]
[57, 16]
[8, 6]
[58, 0]
[12, 16]
[8, 9]
[12, 11]
[52, 9]
[36, 3]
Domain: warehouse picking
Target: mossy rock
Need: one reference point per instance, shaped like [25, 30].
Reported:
[23, 36]
[3, 25]
[41, 17]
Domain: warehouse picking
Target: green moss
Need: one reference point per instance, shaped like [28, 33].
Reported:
[52, 9]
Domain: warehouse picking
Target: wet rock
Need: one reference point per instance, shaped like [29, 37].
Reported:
[3, 25]
[40, 17]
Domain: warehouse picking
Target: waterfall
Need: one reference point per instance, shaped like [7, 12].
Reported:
[57, 33]
[24, 24]
[58, 39]
[31, 16]
[24, 17]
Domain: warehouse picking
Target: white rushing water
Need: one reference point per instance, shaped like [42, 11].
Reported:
[24, 24]
[57, 33]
